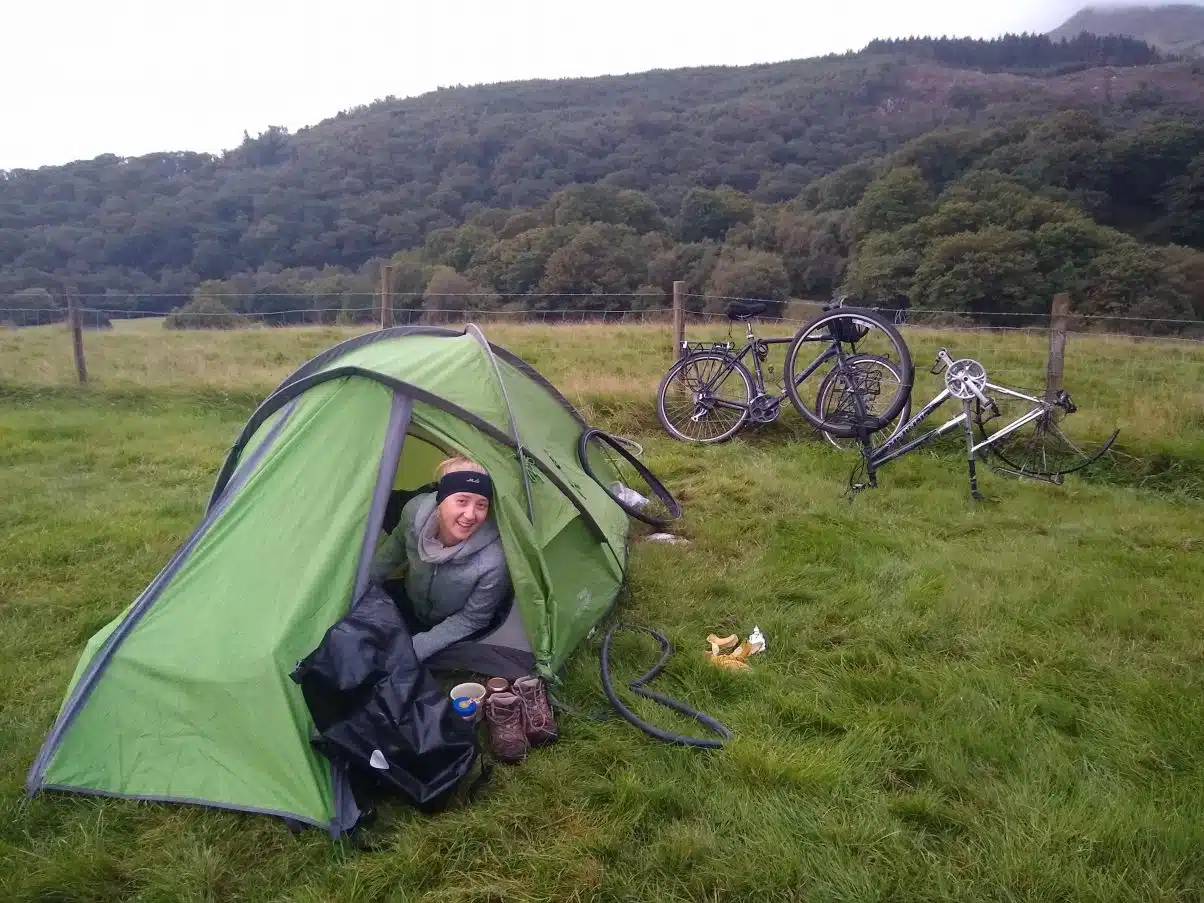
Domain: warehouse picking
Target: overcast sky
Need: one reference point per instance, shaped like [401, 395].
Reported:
[81, 78]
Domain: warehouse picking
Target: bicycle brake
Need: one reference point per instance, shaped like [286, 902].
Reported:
[991, 407]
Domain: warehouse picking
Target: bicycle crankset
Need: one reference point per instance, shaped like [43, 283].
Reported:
[966, 379]
[765, 408]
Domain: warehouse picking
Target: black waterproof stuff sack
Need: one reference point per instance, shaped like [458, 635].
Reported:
[379, 712]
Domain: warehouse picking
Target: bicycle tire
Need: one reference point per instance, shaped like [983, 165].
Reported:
[829, 383]
[676, 369]
[844, 321]
[1031, 438]
[657, 487]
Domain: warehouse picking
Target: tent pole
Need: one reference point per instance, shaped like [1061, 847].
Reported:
[518, 442]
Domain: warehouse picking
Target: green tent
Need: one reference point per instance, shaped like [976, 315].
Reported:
[186, 695]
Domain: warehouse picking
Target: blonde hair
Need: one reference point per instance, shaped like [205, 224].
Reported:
[456, 463]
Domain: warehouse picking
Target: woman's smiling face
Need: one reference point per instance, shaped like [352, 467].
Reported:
[460, 515]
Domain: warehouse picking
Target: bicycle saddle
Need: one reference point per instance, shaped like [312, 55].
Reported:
[744, 310]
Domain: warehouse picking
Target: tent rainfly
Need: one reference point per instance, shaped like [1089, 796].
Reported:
[186, 696]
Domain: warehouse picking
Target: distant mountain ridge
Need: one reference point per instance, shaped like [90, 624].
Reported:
[1173, 28]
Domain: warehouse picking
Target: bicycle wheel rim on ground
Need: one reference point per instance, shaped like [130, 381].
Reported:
[1047, 448]
[818, 351]
[606, 459]
[689, 402]
[834, 401]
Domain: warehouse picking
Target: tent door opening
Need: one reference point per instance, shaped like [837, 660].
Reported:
[500, 649]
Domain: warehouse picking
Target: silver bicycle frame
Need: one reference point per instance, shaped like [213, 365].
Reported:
[884, 453]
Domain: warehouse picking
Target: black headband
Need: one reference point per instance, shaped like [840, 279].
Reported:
[464, 481]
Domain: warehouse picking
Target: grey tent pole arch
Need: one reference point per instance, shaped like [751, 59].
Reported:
[476, 333]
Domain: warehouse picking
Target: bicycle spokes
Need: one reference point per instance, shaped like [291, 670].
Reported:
[1048, 446]
[705, 397]
[867, 384]
[819, 363]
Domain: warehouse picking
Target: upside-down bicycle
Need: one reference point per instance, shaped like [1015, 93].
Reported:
[1034, 444]
[860, 379]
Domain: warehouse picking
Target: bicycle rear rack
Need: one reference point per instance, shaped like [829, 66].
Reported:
[692, 347]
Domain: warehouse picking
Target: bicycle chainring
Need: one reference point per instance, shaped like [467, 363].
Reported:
[765, 408]
[965, 378]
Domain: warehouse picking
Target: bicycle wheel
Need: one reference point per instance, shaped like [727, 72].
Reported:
[705, 398]
[875, 377]
[842, 333]
[1044, 448]
[625, 478]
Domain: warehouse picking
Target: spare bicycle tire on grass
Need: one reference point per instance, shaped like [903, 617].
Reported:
[602, 456]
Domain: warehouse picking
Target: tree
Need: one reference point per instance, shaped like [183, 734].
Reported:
[1186, 268]
[885, 264]
[1065, 251]
[585, 204]
[411, 275]
[898, 198]
[692, 264]
[649, 297]
[518, 224]
[448, 293]
[204, 313]
[1134, 280]
[742, 273]
[992, 271]
[30, 307]
[840, 189]
[1141, 163]
[815, 249]
[943, 155]
[1183, 199]
[707, 214]
[599, 261]
[457, 248]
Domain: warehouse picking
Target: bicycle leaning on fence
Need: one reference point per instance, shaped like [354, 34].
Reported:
[860, 378]
[1033, 444]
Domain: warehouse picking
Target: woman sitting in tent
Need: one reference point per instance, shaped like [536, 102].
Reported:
[456, 578]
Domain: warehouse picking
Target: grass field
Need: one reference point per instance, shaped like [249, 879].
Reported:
[1001, 701]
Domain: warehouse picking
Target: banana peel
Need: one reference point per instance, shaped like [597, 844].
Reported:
[726, 661]
[736, 654]
[720, 644]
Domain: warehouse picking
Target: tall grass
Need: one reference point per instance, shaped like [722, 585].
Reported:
[1153, 388]
[958, 702]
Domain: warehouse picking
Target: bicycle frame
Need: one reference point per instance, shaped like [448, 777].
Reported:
[890, 450]
[752, 344]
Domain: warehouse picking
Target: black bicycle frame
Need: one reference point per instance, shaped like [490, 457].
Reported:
[753, 346]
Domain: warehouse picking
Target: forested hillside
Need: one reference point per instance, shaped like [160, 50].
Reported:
[969, 175]
[1172, 27]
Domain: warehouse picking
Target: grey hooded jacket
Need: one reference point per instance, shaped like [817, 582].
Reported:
[453, 590]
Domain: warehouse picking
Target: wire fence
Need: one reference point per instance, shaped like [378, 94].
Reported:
[568, 309]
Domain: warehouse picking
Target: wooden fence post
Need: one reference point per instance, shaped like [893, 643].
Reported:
[1057, 345]
[386, 296]
[679, 318]
[77, 337]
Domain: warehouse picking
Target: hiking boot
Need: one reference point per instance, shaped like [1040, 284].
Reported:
[537, 712]
[504, 714]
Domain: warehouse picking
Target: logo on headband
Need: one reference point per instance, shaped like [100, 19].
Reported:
[464, 481]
